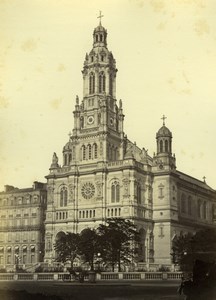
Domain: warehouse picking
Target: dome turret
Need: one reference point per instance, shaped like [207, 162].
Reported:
[164, 132]
[164, 139]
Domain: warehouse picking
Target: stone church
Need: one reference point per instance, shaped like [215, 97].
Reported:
[105, 175]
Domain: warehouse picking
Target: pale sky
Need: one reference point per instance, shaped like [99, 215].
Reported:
[165, 52]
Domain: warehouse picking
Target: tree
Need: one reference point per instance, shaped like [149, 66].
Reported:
[89, 245]
[201, 246]
[67, 247]
[118, 239]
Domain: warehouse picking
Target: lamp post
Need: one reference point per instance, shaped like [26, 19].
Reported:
[99, 259]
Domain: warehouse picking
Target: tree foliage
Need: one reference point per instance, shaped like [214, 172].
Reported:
[188, 248]
[118, 238]
[114, 243]
[89, 246]
[67, 247]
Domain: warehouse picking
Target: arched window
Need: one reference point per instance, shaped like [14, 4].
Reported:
[70, 157]
[63, 196]
[83, 152]
[115, 192]
[161, 146]
[89, 151]
[91, 83]
[183, 204]
[101, 38]
[95, 150]
[166, 146]
[138, 193]
[102, 83]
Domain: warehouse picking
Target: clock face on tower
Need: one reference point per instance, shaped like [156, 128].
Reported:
[88, 190]
[90, 120]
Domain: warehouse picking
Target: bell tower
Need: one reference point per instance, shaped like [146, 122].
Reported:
[98, 118]
[164, 160]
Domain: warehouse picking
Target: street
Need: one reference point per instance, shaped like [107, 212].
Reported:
[135, 290]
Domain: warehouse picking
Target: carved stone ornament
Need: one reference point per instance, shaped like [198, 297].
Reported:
[88, 190]
[71, 192]
[125, 186]
[99, 185]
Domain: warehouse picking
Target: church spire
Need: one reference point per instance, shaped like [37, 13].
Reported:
[99, 17]
[163, 118]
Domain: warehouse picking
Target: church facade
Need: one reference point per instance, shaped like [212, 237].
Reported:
[105, 175]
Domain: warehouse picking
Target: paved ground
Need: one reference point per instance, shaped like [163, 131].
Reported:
[136, 290]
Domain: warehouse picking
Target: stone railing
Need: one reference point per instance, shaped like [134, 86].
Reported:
[104, 276]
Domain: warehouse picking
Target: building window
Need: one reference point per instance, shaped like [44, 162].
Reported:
[9, 259]
[89, 151]
[32, 258]
[91, 83]
[63, 196]
[83, 152]
[115, 192]
[102, 83]
[138, 192]
[95, 150]
[161, 146]
[166, 146]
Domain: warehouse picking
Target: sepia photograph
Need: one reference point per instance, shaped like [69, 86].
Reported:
[107, 150]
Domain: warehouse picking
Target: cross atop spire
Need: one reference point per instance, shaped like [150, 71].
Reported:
[163, 118]
[99, 17]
